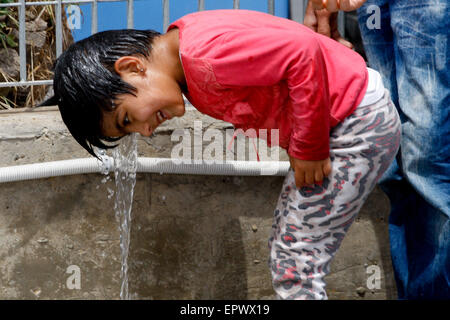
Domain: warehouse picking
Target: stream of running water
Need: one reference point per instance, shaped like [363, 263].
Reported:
[125, 165]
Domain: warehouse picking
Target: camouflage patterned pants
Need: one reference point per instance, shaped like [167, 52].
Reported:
[310, 223]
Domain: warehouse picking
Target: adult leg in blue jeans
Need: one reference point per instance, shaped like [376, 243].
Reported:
[410, 50]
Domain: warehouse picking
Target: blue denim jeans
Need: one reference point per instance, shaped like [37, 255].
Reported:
[410, 48]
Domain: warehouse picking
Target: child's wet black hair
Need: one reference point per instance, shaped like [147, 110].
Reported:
[85, 83]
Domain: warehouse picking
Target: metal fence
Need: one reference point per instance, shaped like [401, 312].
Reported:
[297, 9]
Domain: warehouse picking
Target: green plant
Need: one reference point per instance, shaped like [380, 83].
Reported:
[6, 38]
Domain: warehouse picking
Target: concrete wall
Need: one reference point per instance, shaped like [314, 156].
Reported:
[192, 237]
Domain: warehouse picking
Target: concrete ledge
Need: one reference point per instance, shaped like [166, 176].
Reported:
[193, 237]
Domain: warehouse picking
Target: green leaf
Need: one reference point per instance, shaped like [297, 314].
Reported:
[2, 38]
[10, 41]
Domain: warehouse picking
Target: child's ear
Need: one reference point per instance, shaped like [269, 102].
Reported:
[128, 65]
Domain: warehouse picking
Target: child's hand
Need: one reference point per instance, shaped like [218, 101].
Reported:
[325, 23]
[336, 5]
[308, 172]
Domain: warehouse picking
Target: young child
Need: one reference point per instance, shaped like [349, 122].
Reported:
[258, 71]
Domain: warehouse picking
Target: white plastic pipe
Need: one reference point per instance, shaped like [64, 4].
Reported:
[148, 165]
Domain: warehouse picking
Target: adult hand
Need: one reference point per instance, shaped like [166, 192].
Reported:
[309, 172]
[325, 23]
[336, 5]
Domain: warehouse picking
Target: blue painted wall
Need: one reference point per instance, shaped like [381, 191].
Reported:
[148, 13]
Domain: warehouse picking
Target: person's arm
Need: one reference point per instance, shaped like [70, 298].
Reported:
[268, 56]
[336, 5]
[321, 16]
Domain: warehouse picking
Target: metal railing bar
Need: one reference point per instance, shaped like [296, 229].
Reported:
[166, 15]
[271, 7]
[22, 42]
[201, 5]
[94, 19]
[18, 4]
[47, 3]
[26, 83]
[297, 10]
[341, 23]
[130, 14]
[58, 31]
[236, 4]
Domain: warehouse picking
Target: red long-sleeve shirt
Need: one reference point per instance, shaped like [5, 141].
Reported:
[259, 71]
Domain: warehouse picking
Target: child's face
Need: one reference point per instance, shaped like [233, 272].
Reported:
[158, 98]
